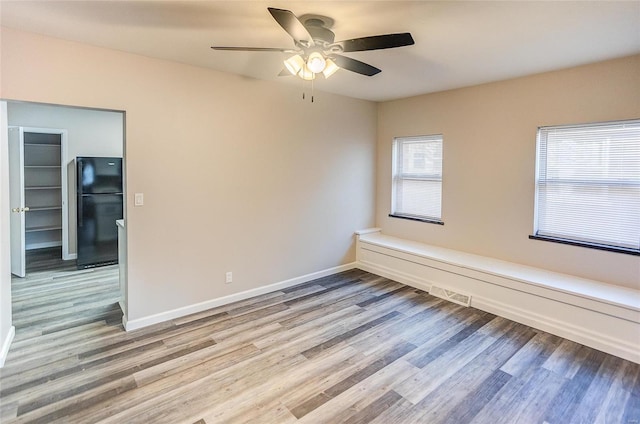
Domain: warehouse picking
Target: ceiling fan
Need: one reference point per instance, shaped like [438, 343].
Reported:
[315, 50]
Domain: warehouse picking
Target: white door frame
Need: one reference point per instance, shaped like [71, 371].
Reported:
[15, 141]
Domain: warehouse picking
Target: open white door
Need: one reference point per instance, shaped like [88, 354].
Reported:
[16, 200]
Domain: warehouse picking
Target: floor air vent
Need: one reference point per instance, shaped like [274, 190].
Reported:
[450, 295]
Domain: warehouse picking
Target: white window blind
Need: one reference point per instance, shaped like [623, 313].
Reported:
[417, 177]
[588, 183]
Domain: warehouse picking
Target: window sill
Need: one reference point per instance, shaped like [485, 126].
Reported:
[604, 247]
[415, 218]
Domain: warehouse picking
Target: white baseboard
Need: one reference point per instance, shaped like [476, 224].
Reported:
[70, 256]
[6, 344]
[603, 326]
[135, 324]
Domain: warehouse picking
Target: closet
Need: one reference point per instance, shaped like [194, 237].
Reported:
[37, 192]
[42, 190]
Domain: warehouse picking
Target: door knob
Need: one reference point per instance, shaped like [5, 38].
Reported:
[15, 210]
[26, 209]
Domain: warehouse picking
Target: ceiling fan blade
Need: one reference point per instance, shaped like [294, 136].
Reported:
[355, 65]
[376, 42]
[253, 49]
[290, 23]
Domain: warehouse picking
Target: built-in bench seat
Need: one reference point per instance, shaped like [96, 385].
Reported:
[599, 315]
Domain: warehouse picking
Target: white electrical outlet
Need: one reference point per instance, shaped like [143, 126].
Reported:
[229, 277]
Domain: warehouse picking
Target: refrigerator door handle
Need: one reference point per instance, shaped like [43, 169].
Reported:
[79, 190]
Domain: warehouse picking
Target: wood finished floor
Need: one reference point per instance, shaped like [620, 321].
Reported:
[47, 259]
[353, 348]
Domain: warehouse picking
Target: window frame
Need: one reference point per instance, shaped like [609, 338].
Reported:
[608, 183]
[395, 174]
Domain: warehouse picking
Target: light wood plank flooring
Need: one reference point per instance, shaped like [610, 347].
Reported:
[47, 259]
[352, 348]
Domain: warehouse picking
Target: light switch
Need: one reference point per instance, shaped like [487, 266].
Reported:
[138, 199]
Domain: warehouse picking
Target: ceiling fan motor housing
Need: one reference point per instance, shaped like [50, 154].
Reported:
[320, 34]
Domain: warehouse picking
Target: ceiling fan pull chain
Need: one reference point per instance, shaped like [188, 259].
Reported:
[311, 91]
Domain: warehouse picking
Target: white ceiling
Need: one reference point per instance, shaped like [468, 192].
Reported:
[457, 43]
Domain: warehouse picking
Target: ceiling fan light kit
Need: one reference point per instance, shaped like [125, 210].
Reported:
[316, 62]
[294, 64]
[315, 49]
[307, 74]
[330, 68]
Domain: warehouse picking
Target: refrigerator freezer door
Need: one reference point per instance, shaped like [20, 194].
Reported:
[99, 175]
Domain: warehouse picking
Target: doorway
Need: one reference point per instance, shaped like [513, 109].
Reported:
[50, 215]
[54, 294]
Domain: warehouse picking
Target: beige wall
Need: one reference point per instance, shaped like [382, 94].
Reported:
[238, 175]
[489, 162]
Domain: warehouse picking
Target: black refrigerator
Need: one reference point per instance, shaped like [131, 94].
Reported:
[99, 205]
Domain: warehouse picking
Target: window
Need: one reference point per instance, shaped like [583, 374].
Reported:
[417, 178]
[588, 185]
